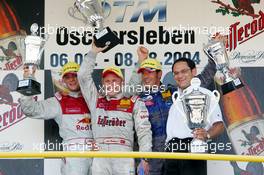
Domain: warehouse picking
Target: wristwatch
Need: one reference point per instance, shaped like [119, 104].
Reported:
[208, 137]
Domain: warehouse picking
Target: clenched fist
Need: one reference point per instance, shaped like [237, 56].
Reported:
[142, 54]
[29, 71]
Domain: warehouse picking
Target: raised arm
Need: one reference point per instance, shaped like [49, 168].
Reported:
[85, 78]
[135, 79]
[45, 109]
[208, 73]
[86, 82]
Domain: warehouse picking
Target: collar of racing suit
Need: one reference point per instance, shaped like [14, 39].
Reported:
[75, 94]
[116, 97]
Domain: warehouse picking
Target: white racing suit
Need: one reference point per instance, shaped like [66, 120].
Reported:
[114, 121]
[73, 118]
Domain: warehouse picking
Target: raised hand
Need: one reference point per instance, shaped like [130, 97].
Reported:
[142, 53]
[98, 49]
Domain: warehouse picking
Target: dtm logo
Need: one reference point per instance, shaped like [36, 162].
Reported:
[84, 124]
[148, 11]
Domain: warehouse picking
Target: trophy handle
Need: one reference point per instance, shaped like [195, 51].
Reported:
[72, 11]
[217, 95]
[39, 55]
[175, 96]
[46, 37]
[214, 101]
[21, 42]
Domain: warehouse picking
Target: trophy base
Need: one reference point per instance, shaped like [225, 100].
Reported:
[28, 87]
[106, 37]
[198, 146]
[231, 86]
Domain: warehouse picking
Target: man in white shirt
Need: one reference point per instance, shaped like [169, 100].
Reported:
[178, 133]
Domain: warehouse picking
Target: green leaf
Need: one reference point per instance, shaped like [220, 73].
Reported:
[224, 11]
[227, 10]
[235, 3]
[218, 11]
[255, 1]
[235, 14]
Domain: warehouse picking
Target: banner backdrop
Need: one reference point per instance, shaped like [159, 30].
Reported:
[170, 29]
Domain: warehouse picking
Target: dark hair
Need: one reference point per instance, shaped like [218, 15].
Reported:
[189, 62]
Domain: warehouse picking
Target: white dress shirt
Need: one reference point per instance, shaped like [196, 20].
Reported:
[177, 123]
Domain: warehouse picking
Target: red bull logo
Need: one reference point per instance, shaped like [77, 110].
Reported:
[85, 121]
[84, 124]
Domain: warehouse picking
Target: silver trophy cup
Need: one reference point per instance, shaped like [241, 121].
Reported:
[197, 104]
[216, 51]
[34, 46]
[91, 13]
